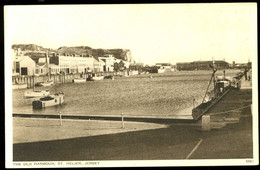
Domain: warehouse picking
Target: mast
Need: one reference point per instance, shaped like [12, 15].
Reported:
[47, 62]
[211, 79]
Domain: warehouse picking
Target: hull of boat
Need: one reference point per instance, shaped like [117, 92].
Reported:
[201, 109]
[79, 80]
[33, 94]
[96, 78]
[47, 84]
[52, 100]
[19, 86]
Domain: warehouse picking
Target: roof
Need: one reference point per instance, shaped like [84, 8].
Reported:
[97, 60]
[220, 61]
[185, 63]
[41, 64]
[202, 61]
[164, 64]
[20, 58]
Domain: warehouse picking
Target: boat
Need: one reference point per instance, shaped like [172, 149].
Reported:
[221, 86]
[47, 101]
[48, 83]
[109, 77]
[95, 78]
[19, 86]
[79, 80]
[37, 93]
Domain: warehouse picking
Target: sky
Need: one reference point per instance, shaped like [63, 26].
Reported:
[153, 32]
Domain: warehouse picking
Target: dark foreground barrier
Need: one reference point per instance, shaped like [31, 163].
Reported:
[112, 118]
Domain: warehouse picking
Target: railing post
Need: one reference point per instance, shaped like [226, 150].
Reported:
[122, 115]
[60, 119]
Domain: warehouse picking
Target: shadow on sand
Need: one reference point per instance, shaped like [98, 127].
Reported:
[174, 142]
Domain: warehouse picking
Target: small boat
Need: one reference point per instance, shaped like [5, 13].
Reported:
[79, 80]
[48, 83]
[96, 78]
[50, 100]
[109, 77]
[38, 93]
[19, 86]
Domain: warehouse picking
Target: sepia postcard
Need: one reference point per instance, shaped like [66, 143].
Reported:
[131, 85]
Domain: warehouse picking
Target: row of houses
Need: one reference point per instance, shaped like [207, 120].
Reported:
[55, 63]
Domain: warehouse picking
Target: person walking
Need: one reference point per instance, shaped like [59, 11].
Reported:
[245, 74]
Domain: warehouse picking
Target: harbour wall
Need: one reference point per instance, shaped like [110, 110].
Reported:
[63, 78]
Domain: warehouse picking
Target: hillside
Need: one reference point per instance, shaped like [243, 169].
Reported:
[124, 54]
[28, 47]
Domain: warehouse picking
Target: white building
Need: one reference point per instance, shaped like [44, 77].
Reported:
[98, 65]
[54, 69]
[69, 63]
[164, 65]
[90, 64]
[41, 69]
[24, 65]
[109, 60]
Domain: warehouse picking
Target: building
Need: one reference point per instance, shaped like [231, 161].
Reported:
[184, 66]
[24, 65]
[41, 65]
[202, 65]
[108, 59]
[240, 65]
[98, 65]
[205, 65]
[163, 65]
[89, 64]
[69, 63]
[54, 69]
[221, 64]
[41, 69]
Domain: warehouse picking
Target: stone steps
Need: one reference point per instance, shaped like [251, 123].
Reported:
[222, 122]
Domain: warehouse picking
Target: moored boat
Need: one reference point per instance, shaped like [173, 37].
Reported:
[109, 77]
[47, 101]
[19, 86]
[221, 86]
[79, 80]
[96, 78]
[38, 93]
[48, 83]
